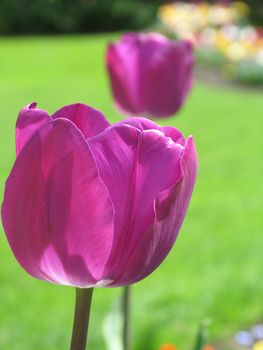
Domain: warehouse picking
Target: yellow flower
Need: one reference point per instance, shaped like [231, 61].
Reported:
[258, 345]
[241, 7]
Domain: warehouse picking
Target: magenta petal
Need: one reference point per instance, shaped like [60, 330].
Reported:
[141, 123]
[122, 62]
[89, 120]
[30, 119]
[146, 124]
[57, 213]
[149, 74]
[170, 209]
[135, 166]
[174, 133]
[166, 78]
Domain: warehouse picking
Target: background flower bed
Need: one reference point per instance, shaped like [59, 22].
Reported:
[222, 34]
[68, 16]
[215, 271]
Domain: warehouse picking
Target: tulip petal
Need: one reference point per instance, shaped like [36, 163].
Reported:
[57, 213]
[166, 73]
[170, 209]
[146, 124]
[29, 120]
[174, 133]
[149, 74]
[135, 166]
[122, 66]
[123, 61]
[89, 120]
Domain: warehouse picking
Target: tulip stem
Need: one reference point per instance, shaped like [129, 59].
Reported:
[81, 319]
[126, 317]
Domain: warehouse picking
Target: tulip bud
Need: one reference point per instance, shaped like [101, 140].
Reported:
[150, 74]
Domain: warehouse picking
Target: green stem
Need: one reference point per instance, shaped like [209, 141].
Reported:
[126, 303]
[81, 319]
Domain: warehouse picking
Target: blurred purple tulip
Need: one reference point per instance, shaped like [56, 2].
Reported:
[150, 74]
[89, 204]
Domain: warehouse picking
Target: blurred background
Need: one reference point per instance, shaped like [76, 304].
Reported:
[52, 52]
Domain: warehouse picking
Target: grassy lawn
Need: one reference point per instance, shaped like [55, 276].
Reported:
[214, 271]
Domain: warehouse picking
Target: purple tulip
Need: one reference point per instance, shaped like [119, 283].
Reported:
[90, 204]
[150, 74]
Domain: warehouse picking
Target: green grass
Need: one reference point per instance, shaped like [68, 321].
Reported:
[215, 269]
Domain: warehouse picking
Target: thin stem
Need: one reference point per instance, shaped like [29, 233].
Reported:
[81, 319]
[126, 307]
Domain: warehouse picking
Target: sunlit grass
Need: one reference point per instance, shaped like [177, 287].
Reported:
[215, 270]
